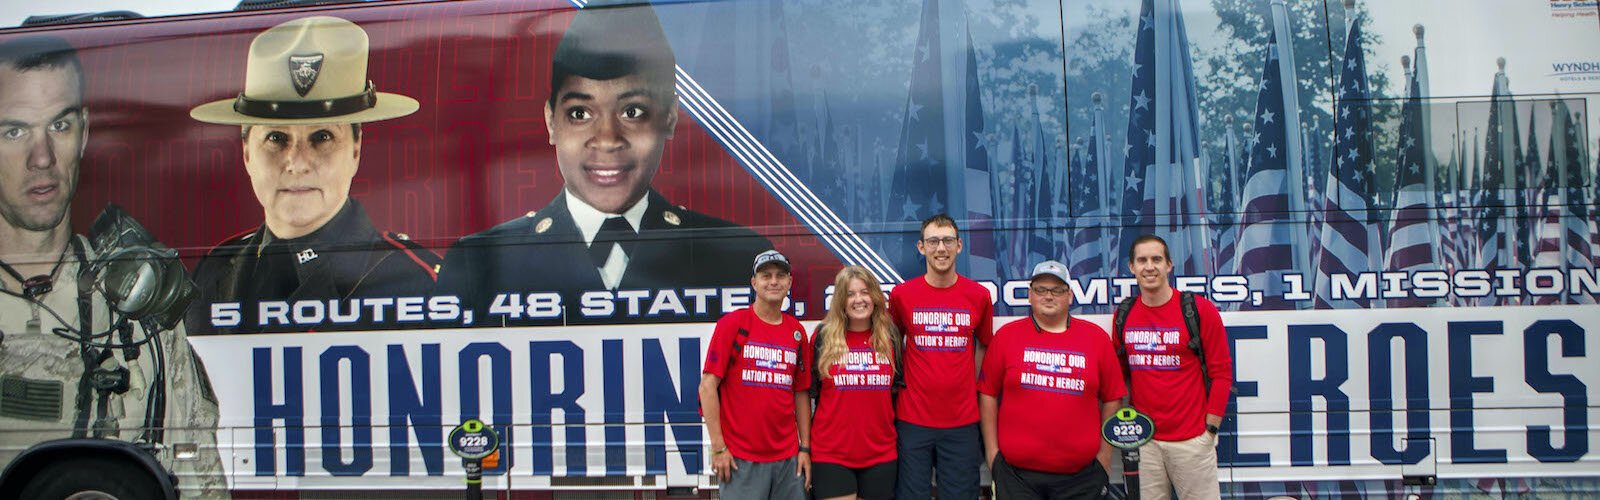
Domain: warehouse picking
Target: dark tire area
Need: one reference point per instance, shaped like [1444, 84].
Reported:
[110, 478]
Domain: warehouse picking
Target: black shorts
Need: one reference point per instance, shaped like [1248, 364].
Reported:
[867, 483]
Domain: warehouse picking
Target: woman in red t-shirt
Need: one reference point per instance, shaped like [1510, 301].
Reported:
[853, 437]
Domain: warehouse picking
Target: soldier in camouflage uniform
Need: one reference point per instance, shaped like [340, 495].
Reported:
[59, 377]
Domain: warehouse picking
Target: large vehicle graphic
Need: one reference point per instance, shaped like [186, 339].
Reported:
[1393, 203]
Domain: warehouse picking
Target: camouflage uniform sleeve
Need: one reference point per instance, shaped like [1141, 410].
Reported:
[192, 415]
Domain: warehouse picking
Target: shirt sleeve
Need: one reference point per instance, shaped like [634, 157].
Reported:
[1112, 385]
[985, 329]
[802, 373]
[992, 377]
[720, 353]
[896, 305]
[1219, 359]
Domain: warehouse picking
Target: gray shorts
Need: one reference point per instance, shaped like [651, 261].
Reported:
[763, 480]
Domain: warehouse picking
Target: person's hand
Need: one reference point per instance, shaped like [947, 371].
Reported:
[722, 465]
[802, 467]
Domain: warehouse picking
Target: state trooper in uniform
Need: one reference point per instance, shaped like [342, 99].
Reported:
[306, 95]
[610, 113]
[96, 361]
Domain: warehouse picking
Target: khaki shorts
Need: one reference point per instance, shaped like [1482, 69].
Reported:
[1188, 466]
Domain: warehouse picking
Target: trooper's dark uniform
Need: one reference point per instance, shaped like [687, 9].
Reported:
[347, 258]
[544, 252]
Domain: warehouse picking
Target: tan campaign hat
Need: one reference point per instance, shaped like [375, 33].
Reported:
[305, 71]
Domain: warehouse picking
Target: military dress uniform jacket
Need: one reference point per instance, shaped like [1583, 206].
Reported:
[345, 259]
[545, 252]
[49, 391]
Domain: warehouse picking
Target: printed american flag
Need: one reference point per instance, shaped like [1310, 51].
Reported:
[1496, 221]
[1453, 239]
[919, 180]
[1224, 190]
[1545, 241]
[1088, 257]
[1091, 196]
[1566, 166]
[1139, 148]
[1347, 236]
[979, 237]
[1269, 241]
[1411, 239]
[1042, 212]
[1529, 192]
[1016, 248]
[1163, 193]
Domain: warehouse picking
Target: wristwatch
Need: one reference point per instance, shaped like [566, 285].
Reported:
[1213, 429]
[805, 449]
[720, 451]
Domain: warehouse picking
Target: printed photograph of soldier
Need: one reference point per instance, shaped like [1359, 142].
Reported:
[610, 113]
[755, 393]
[857, 349]
[306, 97]
[68, 369]
[1049, 371]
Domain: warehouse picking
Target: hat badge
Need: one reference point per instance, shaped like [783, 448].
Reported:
[303, 71]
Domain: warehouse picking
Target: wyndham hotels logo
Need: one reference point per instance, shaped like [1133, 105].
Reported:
[1576, 71]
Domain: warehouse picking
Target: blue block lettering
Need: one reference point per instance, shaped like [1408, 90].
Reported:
[545, 401]
[414, 411]
[499, 393]
[679, 404]
[1228, 454]
[360, 410]
[1380, 357]
[1574, 394]
[1462, 386]
[1302, 388]
[616, 411]
[291, 411]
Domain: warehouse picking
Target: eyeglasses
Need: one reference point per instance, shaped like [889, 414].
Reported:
[1055, 291]
[939, 241]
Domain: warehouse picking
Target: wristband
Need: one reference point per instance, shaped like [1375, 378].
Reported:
[805, 449]
[720, 451]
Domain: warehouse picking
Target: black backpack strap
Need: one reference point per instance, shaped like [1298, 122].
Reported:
[739, 340]
[898, 349]
[1191, 321]
[1118, 324]
[816, 374]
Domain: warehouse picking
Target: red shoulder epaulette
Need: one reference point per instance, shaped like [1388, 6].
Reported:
[236, 236]
[410, 248]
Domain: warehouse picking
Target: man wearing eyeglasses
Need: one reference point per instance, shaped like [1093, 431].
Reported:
[1049, 371]
[945, 320]
[1180, 382]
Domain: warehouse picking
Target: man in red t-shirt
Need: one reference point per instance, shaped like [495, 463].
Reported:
[945, 320]
[760, 438]
[1167, 382]
[1048, 381]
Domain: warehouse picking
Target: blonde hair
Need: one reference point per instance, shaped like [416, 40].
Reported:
[830, 336]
